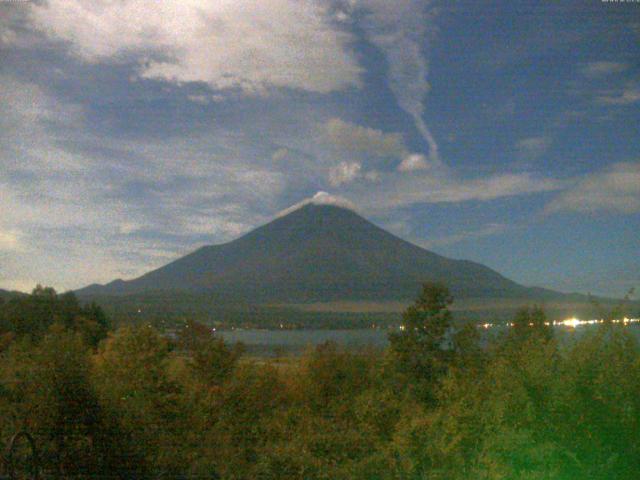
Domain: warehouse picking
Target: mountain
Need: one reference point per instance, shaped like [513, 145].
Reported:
[317, 253]
[7, 295]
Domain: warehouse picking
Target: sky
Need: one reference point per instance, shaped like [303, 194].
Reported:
[504, 132]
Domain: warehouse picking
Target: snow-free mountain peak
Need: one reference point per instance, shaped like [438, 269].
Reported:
[319, 251]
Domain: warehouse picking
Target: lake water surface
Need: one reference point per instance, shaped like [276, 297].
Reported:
[295, 341]
[299, 340]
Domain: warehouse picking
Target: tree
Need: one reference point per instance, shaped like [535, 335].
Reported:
[531, 321]
[213, 362]
[31, 316]
[144, 414]
[420, 349]
[49, 394]
[93, 324]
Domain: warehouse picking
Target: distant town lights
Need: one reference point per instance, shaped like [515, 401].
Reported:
[572, 322]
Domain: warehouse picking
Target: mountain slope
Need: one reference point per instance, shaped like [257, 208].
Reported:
[7, 295]
[318, 253]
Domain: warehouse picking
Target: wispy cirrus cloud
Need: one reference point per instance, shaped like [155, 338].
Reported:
[413, 178]
[603, 68]
[608, 83]
[484, 231]
[400, 30]
[64, 203]
[627, 94]
[615, 189]
[396, 190]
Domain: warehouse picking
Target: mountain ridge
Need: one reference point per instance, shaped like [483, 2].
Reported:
[318, 253]
[9, 294]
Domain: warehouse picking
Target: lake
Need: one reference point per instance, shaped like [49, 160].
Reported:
[290, 341]
[271, 342]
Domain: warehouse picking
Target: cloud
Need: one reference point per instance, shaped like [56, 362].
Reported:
[127, 228]
[13, 33]
[399, 29]
[373, 176]
[615, 190]
[355, 138]
[9, 240]
[413, 162]
[97, 217]
[344, 172]
[205, 99]
[280, 154]
[485, 231]
[250, 45]
[533, 147]
[603, 69]
[400, 190]
[490, 188]
[430, 181]
[7, 37]
[25, 105]
[626, 95]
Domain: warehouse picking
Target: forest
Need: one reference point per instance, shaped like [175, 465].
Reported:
[438, 403]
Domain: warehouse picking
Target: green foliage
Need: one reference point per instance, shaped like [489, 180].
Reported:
[438, 405]
[531, 321]
[329, 374]
[211, 361]
[32, 315]
[47, 390]
[420, 350]
[534, 411]
[598, 398]
[142, 403]
[335, 418]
